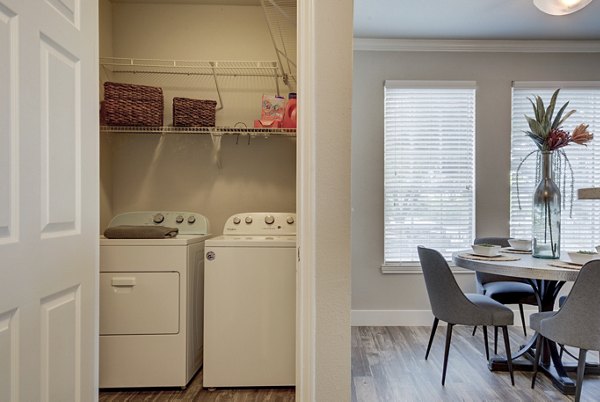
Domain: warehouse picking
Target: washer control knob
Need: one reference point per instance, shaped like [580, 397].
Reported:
[179, 219]
[269, 219]
[158, 218]
[191, 219]
[236, 220]
[290, 219]
[248, 220]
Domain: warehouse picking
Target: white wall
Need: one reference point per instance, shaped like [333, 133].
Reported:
[403, 296]
[178, 172]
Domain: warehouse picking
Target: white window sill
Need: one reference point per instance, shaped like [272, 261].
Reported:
[409, 268]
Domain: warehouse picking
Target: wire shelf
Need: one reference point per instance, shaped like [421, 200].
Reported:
[191, 67]
[215, 131]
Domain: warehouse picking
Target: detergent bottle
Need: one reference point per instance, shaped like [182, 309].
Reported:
[289, 115]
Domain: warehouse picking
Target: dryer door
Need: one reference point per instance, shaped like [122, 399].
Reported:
[139, 303]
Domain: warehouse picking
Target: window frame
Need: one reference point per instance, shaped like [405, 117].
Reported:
[414, 266]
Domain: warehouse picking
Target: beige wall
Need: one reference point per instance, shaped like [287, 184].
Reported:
[178, 172]
[105, 49]
[329, 168]
[493, 73]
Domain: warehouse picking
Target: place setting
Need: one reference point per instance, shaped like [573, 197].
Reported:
[487, 252]
[517, 246]
[577, 259]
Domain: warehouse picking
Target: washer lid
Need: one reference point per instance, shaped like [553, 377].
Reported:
[251, 241]
[180, 240]
[188, 223]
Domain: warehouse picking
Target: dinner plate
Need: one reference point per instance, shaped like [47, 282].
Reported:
[487, 256]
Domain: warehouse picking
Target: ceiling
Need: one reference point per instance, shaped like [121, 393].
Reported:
[471, 19]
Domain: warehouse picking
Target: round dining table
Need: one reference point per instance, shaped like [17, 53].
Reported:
[546, 280]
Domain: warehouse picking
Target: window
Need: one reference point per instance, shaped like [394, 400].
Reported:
[582, 229]
[429, 168]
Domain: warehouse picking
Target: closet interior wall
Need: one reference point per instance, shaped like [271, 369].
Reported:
[179, 171]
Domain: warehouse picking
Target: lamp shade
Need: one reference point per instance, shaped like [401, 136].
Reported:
[560, 7]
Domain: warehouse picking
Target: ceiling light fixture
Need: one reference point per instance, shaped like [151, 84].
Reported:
[560, 7]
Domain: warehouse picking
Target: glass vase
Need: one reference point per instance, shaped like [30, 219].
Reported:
[545, 229]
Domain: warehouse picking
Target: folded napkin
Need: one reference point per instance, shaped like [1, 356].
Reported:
[140, 232]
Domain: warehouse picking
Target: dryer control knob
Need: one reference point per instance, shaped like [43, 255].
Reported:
[158, 218]
[290, 219]
[179, 219]
[191, 219]
[248, 220]
[236, 220]
[269, 219]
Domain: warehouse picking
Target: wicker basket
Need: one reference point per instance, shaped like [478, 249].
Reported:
[124, 112]
[114, 90]
[193, 112]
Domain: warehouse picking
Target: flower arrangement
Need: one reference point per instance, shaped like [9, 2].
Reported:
[547, 132]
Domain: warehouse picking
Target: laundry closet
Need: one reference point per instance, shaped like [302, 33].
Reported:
[161, 299]
[201, 49]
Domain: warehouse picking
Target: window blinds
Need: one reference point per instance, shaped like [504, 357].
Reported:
[582, 230]
[428, 168]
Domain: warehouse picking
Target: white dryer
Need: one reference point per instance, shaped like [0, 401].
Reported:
[151, 302]
[250, 302]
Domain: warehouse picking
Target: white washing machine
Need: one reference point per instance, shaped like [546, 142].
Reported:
[250, 302]
[151, 302]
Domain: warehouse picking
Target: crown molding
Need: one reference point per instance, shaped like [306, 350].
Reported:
[493, 46]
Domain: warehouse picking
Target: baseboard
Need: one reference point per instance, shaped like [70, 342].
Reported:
[408, 318]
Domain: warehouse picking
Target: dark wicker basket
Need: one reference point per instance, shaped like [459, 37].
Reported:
[114, 90]
[126, 112]
[193, 112]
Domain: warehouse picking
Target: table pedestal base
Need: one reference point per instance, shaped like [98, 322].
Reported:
[555, 369]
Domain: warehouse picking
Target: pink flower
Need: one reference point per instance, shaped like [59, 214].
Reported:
[557, 138]
[581, 135]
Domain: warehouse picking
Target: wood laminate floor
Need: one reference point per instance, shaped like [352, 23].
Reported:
[388, 365]
[195, 392]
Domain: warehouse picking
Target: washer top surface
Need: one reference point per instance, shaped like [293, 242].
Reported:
[193, 227]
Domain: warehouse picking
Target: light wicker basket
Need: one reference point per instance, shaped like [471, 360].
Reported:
[193, 112]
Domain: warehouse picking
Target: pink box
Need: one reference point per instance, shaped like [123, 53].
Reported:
[267, 123]
[272, 107]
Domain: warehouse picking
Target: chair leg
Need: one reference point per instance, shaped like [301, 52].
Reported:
[536, 359]
[495, 340]
[446, 351]
[580, 372]
[523, 319]
[433, 328]
[485, 339]
[508, 354]
[474, 330]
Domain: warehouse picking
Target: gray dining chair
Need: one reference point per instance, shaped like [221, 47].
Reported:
[504, 289]
[451, 305]
[576, 324]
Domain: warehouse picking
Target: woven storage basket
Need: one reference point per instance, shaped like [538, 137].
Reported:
[193, 112]
[124, 112]
[114, 90]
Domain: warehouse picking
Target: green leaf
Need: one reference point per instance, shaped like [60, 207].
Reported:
[536, 127]
[538, 141]
[558, 115]
[539, 115]
[550, 110]
[565, 117]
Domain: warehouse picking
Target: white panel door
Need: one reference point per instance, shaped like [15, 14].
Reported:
[48, 200]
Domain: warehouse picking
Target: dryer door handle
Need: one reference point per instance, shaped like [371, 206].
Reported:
[123, 281]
